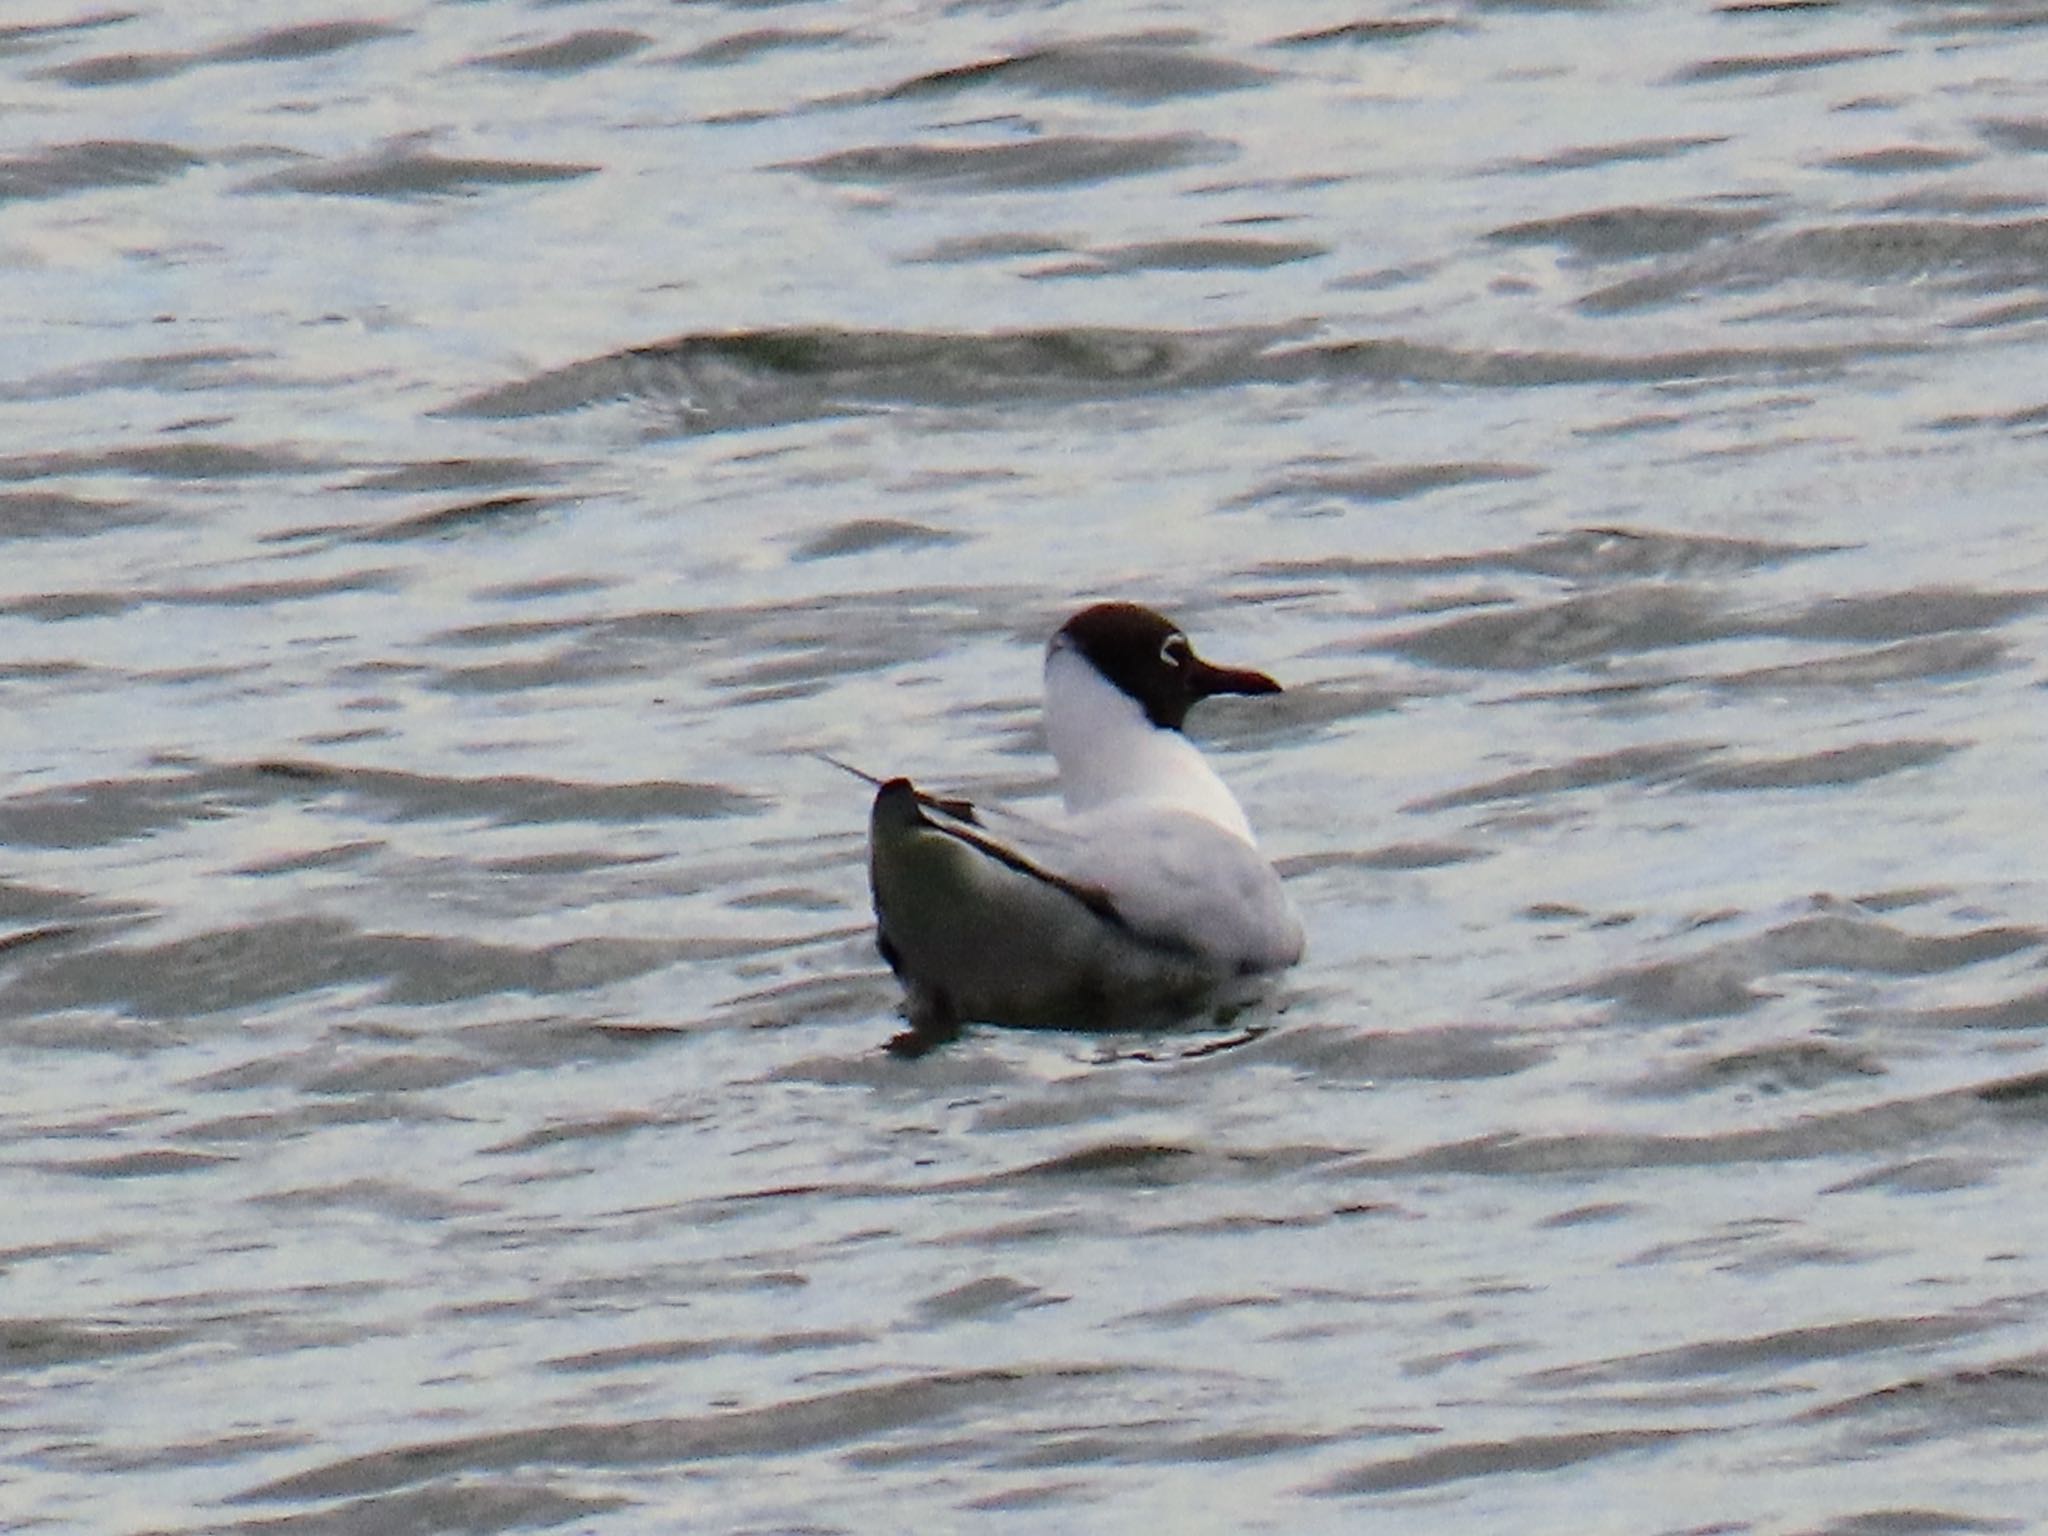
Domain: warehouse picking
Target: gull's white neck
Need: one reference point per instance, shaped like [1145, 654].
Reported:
[1108, 750]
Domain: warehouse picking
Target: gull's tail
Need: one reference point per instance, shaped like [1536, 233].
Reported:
[872, 780]
[959, 810]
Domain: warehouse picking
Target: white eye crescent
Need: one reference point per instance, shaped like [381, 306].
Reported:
[1173, 650]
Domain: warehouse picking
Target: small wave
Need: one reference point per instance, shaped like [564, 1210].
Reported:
[115, 810]
[58, 514]
[1639, 616]
[1596, 626]
[848, 1416]
[313, 40]
[567, 55]
[740, 47]
[715, 382]
[1783, 1066]
[1609, 234]
[260, 963]
[1771, 1351]
[1382, 482]
[1729, 977]
[1216, 253]
[193, 461]
[1135, 72]
[405, 173]
[272, 45]
[200, 368]
[66, 168]
[1831, 766]
[1973, 256]
[1378, 30]
[1665, 763]
[1965, 1402]
[1583, 554]
[1752, 66]
[1581, 157]
[1064, 160]
[765, 377]
[1456, 1053]
[1945, 656]
[29, 1343]
[1494, 1458]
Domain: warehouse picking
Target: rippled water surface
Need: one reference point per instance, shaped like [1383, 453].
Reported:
[461, 462]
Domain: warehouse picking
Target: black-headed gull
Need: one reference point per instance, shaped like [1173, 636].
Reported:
[1149, 899]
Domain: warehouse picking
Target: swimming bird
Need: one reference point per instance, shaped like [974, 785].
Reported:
[1149, 899]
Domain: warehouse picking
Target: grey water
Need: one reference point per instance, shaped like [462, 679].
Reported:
[460, 462]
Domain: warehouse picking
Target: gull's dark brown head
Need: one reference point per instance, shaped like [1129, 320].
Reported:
[1146, 655]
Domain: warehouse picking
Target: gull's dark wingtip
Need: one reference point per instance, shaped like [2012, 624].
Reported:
[898, 804]
[902, 802]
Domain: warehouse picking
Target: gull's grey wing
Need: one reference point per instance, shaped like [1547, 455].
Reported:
[1019, 843]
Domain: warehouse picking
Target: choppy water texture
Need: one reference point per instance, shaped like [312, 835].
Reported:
[460, 460]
